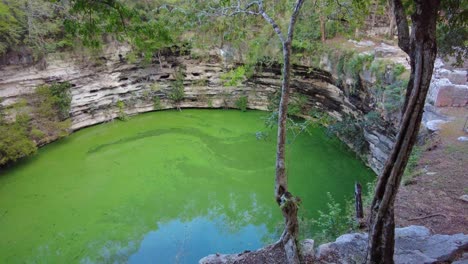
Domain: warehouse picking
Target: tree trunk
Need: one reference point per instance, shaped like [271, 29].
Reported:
[391, 27]
[358, 202]
[287, 202]
[323, 31]
[421, 47]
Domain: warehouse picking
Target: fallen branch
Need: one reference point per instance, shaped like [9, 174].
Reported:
[427, 216]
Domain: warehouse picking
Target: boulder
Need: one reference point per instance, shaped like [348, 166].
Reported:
[385, 51]
[413, 244]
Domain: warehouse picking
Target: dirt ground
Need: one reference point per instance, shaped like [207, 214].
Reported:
[433, 197]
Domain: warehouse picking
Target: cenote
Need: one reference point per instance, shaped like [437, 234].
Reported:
[163, 187]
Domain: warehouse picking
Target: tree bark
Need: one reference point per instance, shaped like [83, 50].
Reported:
[421, 48]
[323, 31]
[358, 201]
[391, 27]
[287, 202]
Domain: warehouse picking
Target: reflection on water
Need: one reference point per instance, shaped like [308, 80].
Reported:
[187, 242]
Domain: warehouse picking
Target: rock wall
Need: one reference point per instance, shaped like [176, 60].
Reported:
[99, 84]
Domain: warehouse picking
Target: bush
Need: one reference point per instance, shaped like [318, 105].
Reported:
[350, 129]
[61, 98]
[157, 103]
[241, 103]
[296, 107]
[177, 93]
[331, 223]
[122, 115]
[234, 77]
[15, 142]
[54, 101]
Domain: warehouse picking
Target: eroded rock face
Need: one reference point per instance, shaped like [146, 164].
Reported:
[99, 84]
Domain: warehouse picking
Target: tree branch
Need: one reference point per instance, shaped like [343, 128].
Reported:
[402, 25]
[294, 16]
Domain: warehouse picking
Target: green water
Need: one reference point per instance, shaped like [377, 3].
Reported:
[164, 187]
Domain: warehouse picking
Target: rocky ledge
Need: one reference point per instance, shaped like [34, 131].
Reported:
[413, 245]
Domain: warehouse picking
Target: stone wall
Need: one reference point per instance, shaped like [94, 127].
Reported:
[449, 87]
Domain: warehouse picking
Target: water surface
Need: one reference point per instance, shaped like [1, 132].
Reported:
[163, 187]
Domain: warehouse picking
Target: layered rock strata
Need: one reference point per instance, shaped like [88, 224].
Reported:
[99, 85]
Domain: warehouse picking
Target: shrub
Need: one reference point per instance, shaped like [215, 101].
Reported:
[350, 129]
[398, 70]
[54, 101]
[394, 97]
[296, 107]
[234, 77]
[157, 102]
[331, 223]
[413, 160]
[241, 103]
[177, 93]
[61, 99]
[14, 142]
[122, 115]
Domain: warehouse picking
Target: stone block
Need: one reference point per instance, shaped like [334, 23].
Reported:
[452, 95]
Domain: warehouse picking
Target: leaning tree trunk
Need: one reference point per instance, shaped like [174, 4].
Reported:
[287, 202]
[421, 48]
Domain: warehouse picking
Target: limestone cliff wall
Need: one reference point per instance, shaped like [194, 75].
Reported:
[99, 84]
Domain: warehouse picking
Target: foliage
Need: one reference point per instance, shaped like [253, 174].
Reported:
[241, 103]
[157, 103]
[398, 70]
[331, 223]
[350, 130]
[234, 77]
[14, 140]
[36, 24]
[297, 105]
[321, 117]
[452, 30]
[413, 160]
[177, 93]
[121, 115]
[55, 100]
[394, 96]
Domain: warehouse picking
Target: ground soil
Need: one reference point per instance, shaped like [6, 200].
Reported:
[432, 196]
